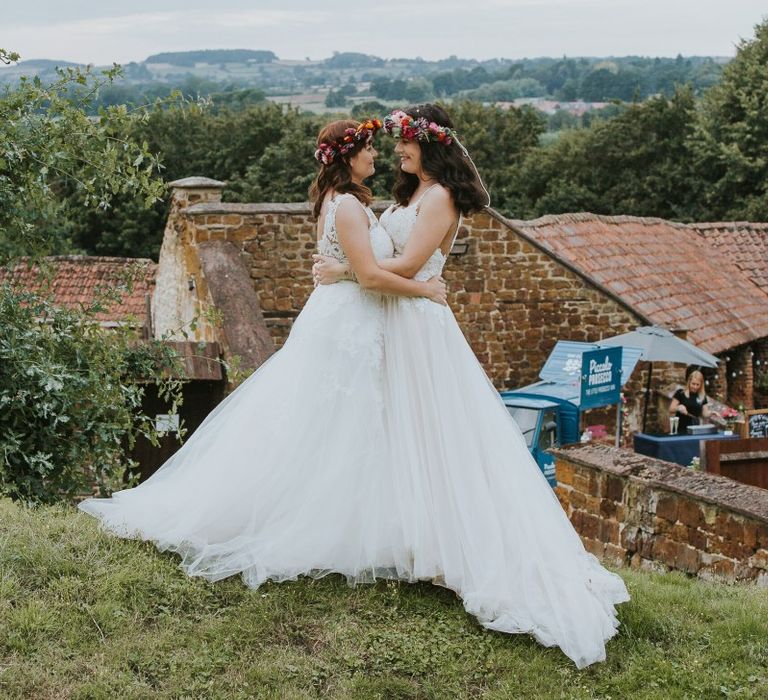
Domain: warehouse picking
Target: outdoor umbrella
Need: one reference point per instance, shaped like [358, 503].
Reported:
[660, 345]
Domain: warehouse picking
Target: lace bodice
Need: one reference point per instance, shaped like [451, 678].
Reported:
[399, 222]
[329, 242]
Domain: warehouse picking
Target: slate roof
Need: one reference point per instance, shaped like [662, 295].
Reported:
[667, 273]
[75, 280]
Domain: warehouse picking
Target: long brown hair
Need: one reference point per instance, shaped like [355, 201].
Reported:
[337, 176]
[447, 164]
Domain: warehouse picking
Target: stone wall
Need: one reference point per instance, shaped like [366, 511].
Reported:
[740, 377]
[512, 300]
[181, 303]
[277, 242]
[651, 514]
[760, 372]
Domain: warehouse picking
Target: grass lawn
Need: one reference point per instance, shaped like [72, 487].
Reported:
[84, 615]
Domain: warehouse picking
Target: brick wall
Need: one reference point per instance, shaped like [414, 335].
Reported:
[651, 514]
[760, 372]
[277, 242]
[739, 375]
[512, 300]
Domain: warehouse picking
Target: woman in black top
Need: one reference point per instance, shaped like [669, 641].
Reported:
[690, 404]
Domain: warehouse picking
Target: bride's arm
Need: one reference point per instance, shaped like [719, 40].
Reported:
[352, 229]
[436, 217]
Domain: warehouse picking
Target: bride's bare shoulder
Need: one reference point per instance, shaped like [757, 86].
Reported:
[438, 198]
[350, 211]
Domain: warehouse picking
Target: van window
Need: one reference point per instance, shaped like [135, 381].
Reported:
[548, 437]
[526, 420]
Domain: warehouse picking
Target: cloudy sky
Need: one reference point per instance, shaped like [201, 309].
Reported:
[104, 32]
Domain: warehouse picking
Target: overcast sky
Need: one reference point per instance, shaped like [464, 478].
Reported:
[104, 32]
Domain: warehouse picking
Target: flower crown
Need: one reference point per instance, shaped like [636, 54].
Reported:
[404, 126]
[326, 153]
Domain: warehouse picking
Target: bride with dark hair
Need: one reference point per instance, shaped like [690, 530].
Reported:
[475, 512]
[285, 476]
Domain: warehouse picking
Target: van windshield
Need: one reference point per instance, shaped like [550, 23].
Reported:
[526, 419]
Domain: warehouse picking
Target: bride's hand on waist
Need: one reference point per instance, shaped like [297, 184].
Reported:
[328, 270]
[436, 290]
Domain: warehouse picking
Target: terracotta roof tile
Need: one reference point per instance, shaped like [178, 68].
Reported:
[667, 273]
[75, 280]
[746, 244]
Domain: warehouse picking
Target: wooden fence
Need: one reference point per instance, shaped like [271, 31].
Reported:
[743, 460]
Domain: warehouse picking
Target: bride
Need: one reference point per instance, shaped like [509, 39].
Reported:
[289, 474]
[474, 511]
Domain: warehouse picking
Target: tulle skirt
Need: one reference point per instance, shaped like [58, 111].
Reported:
[477, 513]
[287, 475]
[373, 445]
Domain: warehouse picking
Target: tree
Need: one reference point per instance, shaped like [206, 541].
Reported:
[70, 393]
[636, 163]
[49, 143]
[283, 171]
[335, 98]
[353, 60]
[221, 144]
[498, 141]
[418, 90]
[506, 90]
[731, 143]
[369, 108]
[70, 397]
[562, 119]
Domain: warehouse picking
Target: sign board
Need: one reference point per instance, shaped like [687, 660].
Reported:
[601, 377]
[756, 423]
[167, 423]
[563, 366]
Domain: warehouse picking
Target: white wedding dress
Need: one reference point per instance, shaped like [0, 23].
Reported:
[287, 475]
[477, 514]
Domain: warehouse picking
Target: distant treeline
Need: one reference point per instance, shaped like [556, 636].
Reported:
[566, 79]
[190, 58]
[192, 88]
[357, 75]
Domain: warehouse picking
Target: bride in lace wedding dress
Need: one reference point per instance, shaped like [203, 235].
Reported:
[473, 509]
[287, 475]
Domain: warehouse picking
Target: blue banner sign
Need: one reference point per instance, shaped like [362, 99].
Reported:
[601, 377]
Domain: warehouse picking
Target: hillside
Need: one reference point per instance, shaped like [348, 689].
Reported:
[86, 615]
[350, 77]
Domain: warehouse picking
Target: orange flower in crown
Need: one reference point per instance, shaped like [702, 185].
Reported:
[327, 153]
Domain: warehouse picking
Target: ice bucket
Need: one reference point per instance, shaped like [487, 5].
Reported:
[706, 429]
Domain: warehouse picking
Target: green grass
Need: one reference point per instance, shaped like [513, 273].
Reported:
[84, 615]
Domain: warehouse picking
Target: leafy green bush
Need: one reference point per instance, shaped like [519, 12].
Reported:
[70, 398]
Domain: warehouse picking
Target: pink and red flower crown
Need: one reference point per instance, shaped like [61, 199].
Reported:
[404, 126]
[327, 152]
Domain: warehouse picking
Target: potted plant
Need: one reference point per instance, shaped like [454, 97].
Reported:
[729, 415]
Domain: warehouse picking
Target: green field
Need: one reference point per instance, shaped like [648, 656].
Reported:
[83, 615]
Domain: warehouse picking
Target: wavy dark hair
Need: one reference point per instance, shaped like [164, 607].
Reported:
[447, 164]
[336, 176]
